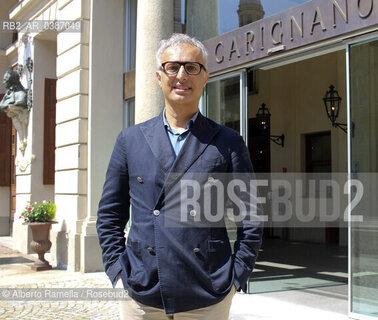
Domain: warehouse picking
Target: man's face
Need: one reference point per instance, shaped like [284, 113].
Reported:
[182, 90]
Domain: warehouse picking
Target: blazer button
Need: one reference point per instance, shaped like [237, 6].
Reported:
[140, 180]
[156, 212]
[149, 249]
[192, 213]
[196, 250]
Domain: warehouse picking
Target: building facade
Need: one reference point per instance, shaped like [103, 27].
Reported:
[88, 85]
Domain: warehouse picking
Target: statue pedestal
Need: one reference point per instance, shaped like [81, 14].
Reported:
[23, 162]
[20, 119]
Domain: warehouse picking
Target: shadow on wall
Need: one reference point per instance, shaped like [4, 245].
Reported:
[62, 247]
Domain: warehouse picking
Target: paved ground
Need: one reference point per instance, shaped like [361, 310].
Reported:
[274, 300]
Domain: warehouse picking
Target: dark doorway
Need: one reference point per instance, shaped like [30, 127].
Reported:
[259, 143]
[319, 161]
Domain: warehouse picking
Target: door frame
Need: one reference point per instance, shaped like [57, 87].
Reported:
[243, 89]
[361, 40]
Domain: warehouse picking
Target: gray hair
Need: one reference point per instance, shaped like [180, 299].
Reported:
[176, 39]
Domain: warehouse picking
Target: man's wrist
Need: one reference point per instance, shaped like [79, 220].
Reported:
[118, 284]
[237, 284]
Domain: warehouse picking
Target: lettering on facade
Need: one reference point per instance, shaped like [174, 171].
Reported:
[343, 13]
[369, 6]
[219, 59]
[262, 38]
[234, 49]
[249, 37]
[276, 33]
[296, 24]
[313, 21]
[318, 20]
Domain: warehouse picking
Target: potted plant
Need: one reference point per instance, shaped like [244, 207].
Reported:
[39, 217]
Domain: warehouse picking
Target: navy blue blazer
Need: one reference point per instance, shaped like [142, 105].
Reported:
[175, 268]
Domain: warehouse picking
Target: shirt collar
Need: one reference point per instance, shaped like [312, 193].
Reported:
[189, 123]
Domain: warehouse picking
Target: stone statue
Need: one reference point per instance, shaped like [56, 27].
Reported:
[15, 105]
[16, 94]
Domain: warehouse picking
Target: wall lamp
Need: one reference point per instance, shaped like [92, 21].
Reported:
[332, 102]
[262, 114]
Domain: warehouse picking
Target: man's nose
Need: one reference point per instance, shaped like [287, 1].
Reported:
[181, 74]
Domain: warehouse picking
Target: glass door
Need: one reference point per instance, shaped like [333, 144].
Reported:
[362, 64]
[225, 101]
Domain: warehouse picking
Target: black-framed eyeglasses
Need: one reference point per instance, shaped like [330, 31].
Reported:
[191, 68]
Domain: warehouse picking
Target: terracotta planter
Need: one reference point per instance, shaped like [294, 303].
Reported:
[40, 243]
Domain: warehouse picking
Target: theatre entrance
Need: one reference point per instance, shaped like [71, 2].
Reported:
[280, 112]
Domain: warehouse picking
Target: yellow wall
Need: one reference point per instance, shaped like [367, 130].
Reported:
[293, 93]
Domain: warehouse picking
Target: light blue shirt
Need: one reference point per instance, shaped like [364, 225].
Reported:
[177, 139]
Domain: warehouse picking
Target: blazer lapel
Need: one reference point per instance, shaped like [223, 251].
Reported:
[199, 138]
[157, 139]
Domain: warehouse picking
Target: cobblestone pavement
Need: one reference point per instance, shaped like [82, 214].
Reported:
[16, 273]
[329, 302]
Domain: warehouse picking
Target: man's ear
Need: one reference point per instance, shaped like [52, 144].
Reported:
[207, 74]
[158, 76]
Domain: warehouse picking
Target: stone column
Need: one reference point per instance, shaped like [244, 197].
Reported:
[29, 167]
[154, 22]
[21, 234]
[105, 114]
[71, 155]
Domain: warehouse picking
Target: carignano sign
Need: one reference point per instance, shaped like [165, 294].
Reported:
[311, 22]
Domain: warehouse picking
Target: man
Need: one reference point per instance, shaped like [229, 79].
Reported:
[177, 271]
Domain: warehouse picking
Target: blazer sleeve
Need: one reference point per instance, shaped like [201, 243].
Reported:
[249, 229]
[113, 212]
